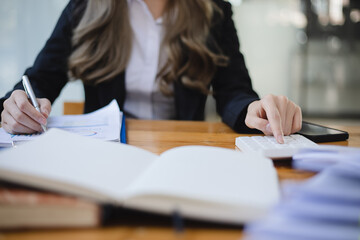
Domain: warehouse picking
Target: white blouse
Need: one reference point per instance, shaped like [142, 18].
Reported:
[143, 97]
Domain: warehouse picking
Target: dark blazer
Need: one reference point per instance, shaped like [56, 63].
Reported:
[231, 85]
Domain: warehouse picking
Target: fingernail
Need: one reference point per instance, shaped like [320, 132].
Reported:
[42, 121]
[280, 138]
[268, 128]
[45, 112]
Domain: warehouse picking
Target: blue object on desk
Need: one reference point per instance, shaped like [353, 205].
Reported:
[326, 207]
[123, 130]
[318, 158]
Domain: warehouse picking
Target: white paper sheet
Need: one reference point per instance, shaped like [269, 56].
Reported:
[104, 124]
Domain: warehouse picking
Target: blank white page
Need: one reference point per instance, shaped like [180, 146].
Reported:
[74, 164]
[210, 174]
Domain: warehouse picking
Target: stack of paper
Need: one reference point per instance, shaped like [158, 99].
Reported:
[321, 157]
[104, 124]
[325, 207]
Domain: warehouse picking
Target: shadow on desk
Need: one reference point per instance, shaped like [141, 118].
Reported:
[115, 216]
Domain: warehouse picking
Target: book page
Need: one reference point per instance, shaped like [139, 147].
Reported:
[69, 163]
[206, 175]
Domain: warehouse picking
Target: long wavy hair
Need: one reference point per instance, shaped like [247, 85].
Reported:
[102, 43]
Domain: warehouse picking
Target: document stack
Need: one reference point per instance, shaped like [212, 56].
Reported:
[326, 206]
[107, 123]
[322, 156]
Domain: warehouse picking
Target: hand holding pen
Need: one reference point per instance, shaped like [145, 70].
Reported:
[31, 95]
[24, 113]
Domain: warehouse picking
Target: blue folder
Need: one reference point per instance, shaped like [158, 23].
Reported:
[123, 130]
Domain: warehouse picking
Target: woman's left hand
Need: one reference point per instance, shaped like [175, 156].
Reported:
[274, 115]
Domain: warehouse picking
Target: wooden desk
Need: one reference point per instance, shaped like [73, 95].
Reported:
[158, 136]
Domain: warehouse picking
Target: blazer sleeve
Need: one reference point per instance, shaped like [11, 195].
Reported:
[49, 74]
[232, 86]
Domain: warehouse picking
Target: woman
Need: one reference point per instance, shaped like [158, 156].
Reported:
[157, 58]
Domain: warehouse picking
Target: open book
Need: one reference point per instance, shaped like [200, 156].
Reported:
[201, 182]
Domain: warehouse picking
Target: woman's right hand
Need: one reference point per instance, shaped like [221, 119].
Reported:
[19, 115]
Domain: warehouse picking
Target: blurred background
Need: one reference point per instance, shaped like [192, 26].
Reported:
[308, 50]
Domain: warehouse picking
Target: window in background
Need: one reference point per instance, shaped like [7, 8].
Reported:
[308, 50]
[327, 64]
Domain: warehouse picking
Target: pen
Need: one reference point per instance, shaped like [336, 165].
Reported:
[30, 93]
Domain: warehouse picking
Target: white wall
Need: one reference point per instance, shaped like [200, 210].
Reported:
[267, 39]
[25, 25]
